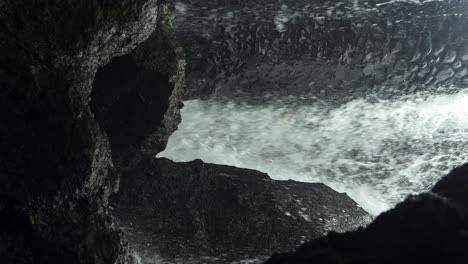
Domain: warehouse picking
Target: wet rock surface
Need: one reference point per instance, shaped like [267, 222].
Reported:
[193, 209]
[427, 228]
[56, 169]
[330, 50]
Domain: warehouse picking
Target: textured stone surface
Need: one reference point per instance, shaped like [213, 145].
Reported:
[333, 50]
[56, 169]
[137, 97]
[194, 209]
[427, 228]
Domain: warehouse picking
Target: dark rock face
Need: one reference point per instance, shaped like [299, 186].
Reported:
[333, 50]
[427, 228]
[21, 244]
[455, 187]
[196, 209]
[136, 97]
[129, 95]
[56, 169]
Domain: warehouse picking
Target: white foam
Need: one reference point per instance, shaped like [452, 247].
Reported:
[181, 7]
[377, 152]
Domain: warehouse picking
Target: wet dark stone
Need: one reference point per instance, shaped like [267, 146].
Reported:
[427, 228]
[25, 245]
[195, 209]
[56, 167]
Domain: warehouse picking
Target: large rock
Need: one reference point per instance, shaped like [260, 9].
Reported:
[56, 169]
[427, 228]
[194, 209]
[332, 50]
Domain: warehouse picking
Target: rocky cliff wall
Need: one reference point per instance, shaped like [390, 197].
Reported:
[56, 169]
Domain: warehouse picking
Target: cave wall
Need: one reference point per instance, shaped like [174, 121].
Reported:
[128, 102]
[56, 169]
[136, 97]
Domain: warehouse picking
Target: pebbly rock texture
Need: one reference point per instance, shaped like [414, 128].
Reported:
[56, 168]
[428, 228]
[331, 50]
[183, 210]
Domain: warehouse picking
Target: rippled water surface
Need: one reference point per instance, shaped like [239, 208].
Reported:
[377, 151]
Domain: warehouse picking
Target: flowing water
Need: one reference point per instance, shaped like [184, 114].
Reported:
[377, 151]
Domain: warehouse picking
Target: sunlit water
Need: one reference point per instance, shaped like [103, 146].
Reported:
[378, 152]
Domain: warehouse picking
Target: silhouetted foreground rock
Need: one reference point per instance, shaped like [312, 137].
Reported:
[427, 228]
[197, 209]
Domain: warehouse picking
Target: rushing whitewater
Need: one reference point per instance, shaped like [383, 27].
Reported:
[377, 151]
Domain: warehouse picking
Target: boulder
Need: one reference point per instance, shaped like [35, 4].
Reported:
[426, 228]
[195, 210]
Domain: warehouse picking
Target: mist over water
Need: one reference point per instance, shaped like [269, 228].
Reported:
[377, 151]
